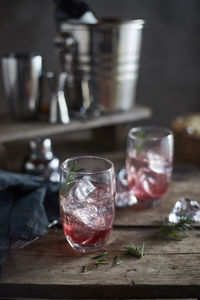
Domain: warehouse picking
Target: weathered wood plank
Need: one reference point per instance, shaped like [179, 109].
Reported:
[55, 244]
[49, 267]
[153, 276]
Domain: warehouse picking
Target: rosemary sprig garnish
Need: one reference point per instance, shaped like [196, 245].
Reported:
[73, 168]
[139, 145]
[70, 179]
[132, 249]
[118, 261]
[174, 230]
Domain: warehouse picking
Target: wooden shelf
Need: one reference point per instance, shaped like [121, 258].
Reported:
[13, 131]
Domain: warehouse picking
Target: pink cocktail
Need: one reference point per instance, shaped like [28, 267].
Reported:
[87, 201]
[149, 161]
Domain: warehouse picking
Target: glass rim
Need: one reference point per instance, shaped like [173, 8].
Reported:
[65, 169]
[166, 132]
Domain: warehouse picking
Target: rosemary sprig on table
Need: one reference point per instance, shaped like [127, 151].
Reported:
[97, 263]
[174, 230]
[100, 255]
[132, 249]
[99, 260]
[118, 261]
[88, 267]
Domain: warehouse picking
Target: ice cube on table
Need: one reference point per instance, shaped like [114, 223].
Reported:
[157, 162]
[82, 189]
[185, 207]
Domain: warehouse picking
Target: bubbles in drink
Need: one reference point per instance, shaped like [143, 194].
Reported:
[149, 174]
[157, 162]
[82, 189]
[87, 212]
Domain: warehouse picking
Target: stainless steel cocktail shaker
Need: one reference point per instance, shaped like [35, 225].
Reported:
[22, 75]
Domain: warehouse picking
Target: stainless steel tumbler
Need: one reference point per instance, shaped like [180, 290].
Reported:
[21, 75]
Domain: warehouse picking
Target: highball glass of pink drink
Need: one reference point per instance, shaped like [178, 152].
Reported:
[87, 201]
[149, 161]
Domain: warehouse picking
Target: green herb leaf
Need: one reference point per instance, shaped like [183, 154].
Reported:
[118, 261]
[101, 262]
[73, 168]
[175, 230]
[140, 143]
[96, 263]
[87, 268]
[100, 255]
[132, 249]
[70, 179]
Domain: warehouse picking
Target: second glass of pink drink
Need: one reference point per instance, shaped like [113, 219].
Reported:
[87, 201]
[149, 161]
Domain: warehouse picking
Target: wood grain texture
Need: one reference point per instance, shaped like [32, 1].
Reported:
[12, 131]
[51, 266]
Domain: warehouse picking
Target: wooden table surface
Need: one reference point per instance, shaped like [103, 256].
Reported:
[48, 268]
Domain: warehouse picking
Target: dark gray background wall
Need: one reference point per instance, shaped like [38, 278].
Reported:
[169, 79]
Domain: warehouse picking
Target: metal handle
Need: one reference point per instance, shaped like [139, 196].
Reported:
[58, 106]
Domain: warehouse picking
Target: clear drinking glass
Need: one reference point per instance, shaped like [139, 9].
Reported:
[87, 201]
[149, 161]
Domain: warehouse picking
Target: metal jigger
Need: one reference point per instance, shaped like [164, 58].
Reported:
[58, 105]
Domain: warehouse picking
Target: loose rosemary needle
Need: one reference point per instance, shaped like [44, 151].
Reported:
[100, 255]
[99, 260]
[118, 261]
[132, 249]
